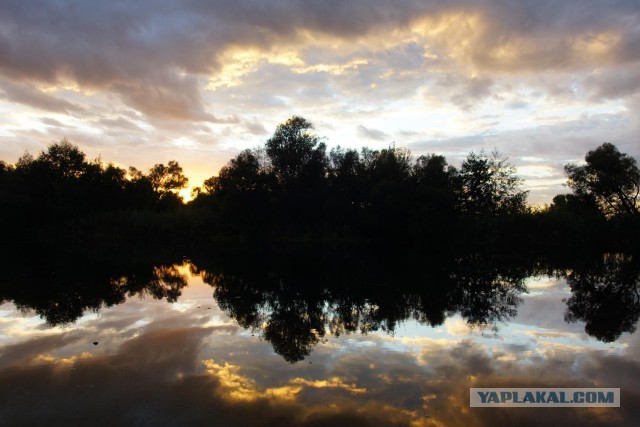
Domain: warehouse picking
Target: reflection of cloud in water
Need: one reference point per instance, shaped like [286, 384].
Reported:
[156, 365]
[161, 377]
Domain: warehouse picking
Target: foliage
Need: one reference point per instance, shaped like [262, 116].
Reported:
[167, 178]
[611, 178]
[297, 156]
[489, 186]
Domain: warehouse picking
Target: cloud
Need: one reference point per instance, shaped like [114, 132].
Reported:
[24, 94]
[51, 122]
[155, 378]
[26, 351]
[374, 134]
[154, 57]
[473, 90]
[119, 123]
[256, 128]
[614, 83]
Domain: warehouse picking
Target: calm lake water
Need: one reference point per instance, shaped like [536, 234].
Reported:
[179, 345]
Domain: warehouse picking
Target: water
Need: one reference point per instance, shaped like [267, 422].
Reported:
[261, 344]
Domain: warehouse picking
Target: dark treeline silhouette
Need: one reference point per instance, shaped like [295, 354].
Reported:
[293, 189]
[60, 196]
[297, 297]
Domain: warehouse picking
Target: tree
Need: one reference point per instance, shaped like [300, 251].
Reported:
[241, 190]
[299, 166]
[389, 201]
[242, 173]
[433, 171]
[434, 187]
[62, 160]
[5, 168]
[609, 176]
[488, 185]
[347, 184]
[297, 156]
[167, 178]
[389, 164]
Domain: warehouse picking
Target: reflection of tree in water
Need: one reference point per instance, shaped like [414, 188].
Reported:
[486, 293]
[296, 301]
[293, 324]
[166, 282]
[294, 308]
[63, 293]
[606, 297]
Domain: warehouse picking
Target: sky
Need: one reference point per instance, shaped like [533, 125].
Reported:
[145, 82]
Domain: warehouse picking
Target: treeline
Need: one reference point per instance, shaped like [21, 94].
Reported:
[294, 188]
[58, 193]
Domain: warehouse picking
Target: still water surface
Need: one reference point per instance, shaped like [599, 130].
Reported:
[178, 346]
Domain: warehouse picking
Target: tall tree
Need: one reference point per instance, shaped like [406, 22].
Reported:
[63, 160]
[5, 168]
[299, 164]
[435, 183]
[167, 178]
[241, 191]
[297, 156]
[609, 176]
[488, 185]
[243, 173]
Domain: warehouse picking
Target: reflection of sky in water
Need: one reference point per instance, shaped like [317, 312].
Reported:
[188, 363]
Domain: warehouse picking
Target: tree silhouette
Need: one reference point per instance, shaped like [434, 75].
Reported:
[297, 156]
[5, 168]
[489, 186]
[610, 177]
[167, 178]
[291, 189]
[63, 160]
[242, 173]
[299, 164]
[435, 185]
